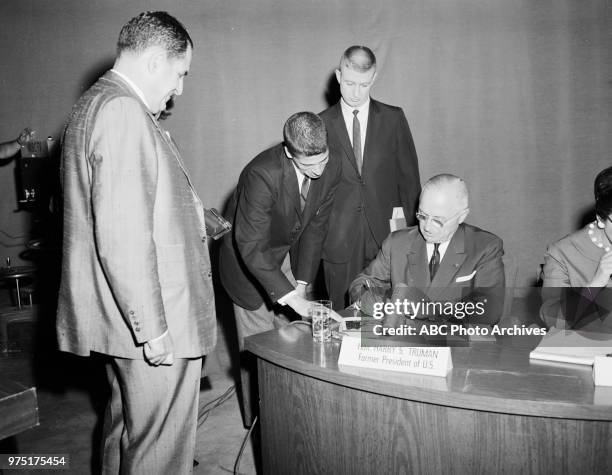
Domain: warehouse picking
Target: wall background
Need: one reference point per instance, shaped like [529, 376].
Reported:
[513, 95]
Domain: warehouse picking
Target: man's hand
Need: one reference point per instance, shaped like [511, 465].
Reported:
[25, 135]
[299, 304]
[160, 350]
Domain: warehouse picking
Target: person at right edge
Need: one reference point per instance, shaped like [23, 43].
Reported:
[379, 172]
[577, 288]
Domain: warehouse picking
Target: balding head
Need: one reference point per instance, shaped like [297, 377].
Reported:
[358, 58]
[443, 205]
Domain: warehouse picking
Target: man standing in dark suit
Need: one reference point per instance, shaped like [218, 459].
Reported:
[280, 211]
[136, 277]
[380, 172]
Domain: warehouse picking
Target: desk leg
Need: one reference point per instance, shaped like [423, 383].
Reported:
[18, 294]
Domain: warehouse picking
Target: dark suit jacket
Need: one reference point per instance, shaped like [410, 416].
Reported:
[268, 224]
[471, 270]
[390, 176]
[135, 260]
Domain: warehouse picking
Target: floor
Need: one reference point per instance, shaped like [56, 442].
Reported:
[71, 399]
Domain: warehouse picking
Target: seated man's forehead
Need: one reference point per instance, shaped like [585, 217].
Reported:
[437, 204]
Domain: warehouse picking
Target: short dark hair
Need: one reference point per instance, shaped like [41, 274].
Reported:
[154, 28]
[358, 58]
[305, 134]
[603, 193]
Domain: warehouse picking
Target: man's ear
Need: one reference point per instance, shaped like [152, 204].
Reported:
[464, 215]
[374, 79]
[287, 153]
[154, 58]
[338, 75]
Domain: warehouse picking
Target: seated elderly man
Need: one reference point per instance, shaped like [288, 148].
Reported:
[443, 268]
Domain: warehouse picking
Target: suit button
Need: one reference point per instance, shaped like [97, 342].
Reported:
[209, 273]
[203, 238]
[359, 209]
[137, 329]
[131, 312]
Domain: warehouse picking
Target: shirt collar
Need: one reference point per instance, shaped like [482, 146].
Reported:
[443, 246]
[299, 175]
[346, 109]
[136, 89]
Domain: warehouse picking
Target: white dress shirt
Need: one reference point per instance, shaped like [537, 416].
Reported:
[300, 177]
[442, 249]
[364, 113]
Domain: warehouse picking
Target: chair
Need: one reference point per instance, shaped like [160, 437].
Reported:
[28, 315]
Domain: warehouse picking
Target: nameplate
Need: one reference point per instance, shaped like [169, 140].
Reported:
[433, 361]
[602, 371]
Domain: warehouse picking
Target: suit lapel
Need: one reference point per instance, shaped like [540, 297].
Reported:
[312, 200]
[371, 131]
[342, 133]
[451, 262]
[290, 182]
[417, 263]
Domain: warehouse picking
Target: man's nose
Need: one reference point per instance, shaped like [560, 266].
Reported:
[179, 88]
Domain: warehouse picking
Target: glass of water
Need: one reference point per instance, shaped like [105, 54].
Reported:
[319, 313]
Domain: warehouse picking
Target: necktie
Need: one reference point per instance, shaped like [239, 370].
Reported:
[357, 141]
[434, 262]
[304, 192]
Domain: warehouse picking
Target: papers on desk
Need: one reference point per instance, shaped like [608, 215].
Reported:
[567, 346]
[398, 220]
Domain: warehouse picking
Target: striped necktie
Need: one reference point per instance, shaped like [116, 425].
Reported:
[434, 262]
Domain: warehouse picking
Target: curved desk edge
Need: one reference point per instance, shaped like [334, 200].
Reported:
[270, 346]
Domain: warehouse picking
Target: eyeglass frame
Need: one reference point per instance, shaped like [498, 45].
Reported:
[420, 216]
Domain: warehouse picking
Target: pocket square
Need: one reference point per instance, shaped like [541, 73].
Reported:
[465, 278]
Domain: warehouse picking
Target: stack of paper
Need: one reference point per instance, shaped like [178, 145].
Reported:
[568, 346]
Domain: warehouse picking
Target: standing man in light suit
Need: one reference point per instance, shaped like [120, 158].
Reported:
[136, 277]
[379, 172]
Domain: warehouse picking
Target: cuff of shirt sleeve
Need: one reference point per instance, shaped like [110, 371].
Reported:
[159, 337]
[283, 299]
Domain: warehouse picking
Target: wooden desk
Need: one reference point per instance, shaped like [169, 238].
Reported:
[18, 408]
[496, 412]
